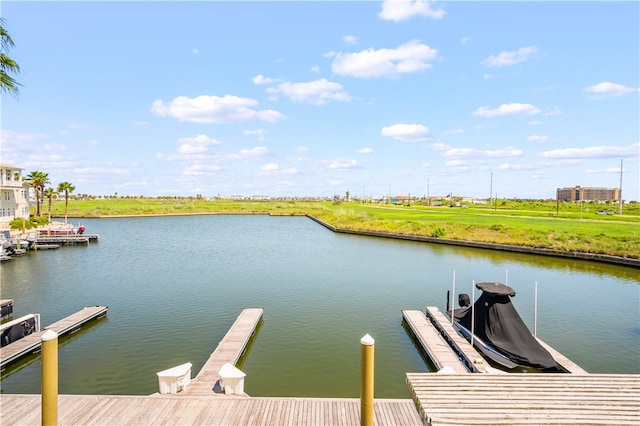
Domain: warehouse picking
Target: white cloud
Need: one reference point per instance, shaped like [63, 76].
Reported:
[350, 39]
[401, 10]
[440, 146]
[200, 170]
[454, 132]
[507, 109]
[601, 151]
[615, 170]
[302, 148]
[270, 167]
[341, 163]
[509, 166]
[260, 133]
[511, 58]
[195, 51]
[407, 132]
[552, 112]
[258, 151]
[408, 58]
[317, 92]
[538, 138]
[465, 40]
[259, 80]
[196, 145]
[476, 153]
[609, 89]
[54, 147]
[364, 151]
[214, 109]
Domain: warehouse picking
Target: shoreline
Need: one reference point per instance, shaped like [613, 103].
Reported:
[617, 260]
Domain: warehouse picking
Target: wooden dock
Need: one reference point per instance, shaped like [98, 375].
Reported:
[6, 308]
[62, 239]
[433, 343]
[87, 410]
[31, 343]
[229, 350]
[526, 399]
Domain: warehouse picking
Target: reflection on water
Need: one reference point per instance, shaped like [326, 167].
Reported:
[174, 285]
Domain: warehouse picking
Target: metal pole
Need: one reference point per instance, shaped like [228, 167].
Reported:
[473, 304]
[49, 378]
[453, 296]
[620, 192]
[535, 308]
[367, 346]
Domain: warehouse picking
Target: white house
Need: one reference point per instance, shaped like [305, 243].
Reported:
[14, 195]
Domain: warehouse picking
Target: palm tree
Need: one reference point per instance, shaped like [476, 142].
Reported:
[67, 188]
[7, 65]
[38, 180]
[50, 193]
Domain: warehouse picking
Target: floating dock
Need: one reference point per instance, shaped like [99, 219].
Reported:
[62, 239]
[526, 399]
[229, 350]
[434, 344]
[31, 343]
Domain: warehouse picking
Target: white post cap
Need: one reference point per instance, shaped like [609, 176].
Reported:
[367, 340]
[49, 335]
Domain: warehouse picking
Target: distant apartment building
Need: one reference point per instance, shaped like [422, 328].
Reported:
[578, 193]
[14, 195]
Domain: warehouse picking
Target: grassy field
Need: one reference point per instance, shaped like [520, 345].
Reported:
[565, 227]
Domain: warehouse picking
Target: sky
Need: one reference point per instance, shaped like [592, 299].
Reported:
[297, 98]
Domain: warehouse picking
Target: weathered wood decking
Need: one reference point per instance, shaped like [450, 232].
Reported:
[24, 410]
[526, 399]
[32, 343]
[441, 342]
[229, 350]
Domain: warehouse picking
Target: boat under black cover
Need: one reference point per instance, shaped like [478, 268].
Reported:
[502, 334]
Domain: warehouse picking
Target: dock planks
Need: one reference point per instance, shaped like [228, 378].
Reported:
[526, 399]
[19, 410]
[228, 350]
[31, 343]
[433, 344]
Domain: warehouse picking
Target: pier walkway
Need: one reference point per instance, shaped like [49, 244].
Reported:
[87, 410]
[229, 350]
[32, 343]
[519, 399]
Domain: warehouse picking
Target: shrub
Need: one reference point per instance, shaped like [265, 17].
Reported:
[438, 233]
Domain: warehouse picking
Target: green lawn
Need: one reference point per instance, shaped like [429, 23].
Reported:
[543, 224]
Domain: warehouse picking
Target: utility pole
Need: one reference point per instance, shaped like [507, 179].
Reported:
[491, 191]
[620, 192]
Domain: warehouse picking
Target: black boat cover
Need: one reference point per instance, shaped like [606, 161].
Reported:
[498, 323]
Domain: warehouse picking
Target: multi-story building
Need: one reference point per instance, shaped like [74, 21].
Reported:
[578, 193]
[14, 195]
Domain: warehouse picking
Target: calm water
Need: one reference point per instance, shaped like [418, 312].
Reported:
[174, 286]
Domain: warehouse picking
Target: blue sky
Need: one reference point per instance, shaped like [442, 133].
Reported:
[319, 98]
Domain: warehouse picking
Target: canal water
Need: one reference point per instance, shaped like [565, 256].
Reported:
[174, 286]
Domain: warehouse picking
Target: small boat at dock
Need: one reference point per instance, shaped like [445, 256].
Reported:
[494, 327]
